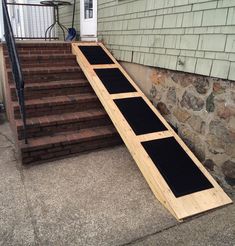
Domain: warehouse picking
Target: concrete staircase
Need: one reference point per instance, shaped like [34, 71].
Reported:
[64, 116]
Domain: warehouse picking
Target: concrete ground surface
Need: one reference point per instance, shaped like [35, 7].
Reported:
[98, 198]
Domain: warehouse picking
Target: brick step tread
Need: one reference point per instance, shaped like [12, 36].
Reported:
[61, 152]
[39, 60]
[45, 56]
[43, 51]
[49, 120]
[49, 70]
[38, 51]
[41, 45]
[67, 138]
[54, 84]
[57, 100]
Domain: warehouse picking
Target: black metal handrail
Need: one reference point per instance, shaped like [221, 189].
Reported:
[15, 64]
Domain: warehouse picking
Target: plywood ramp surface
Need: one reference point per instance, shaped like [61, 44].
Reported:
[176, 177]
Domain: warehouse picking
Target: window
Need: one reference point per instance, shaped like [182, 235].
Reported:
[88, 6]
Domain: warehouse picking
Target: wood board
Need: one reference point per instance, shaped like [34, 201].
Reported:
[181, 207]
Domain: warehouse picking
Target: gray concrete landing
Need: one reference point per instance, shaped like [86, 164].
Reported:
[100, 198]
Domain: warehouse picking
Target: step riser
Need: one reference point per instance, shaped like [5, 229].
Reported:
[39, 131]
[59, 109]
[37, 93]
[47, 77]
[46, 63]
[42, 50]
[62, 151]
[39, 52]
[43, 46]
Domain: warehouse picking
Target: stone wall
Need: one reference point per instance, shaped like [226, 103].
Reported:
[201, 109]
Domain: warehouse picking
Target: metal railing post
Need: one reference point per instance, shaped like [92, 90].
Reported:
[15, 64]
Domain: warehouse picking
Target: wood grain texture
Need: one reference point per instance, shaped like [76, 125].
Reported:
[181, 207]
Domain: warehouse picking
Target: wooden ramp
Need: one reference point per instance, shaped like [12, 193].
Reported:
[177, 178]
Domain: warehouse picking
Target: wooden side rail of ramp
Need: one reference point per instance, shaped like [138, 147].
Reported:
[177, 178]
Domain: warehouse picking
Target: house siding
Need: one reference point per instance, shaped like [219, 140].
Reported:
[66, 15]
[196, 36]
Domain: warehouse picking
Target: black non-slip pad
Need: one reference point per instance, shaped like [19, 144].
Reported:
[139, 115]
[179, 171]
[114, 80]
[95, 55]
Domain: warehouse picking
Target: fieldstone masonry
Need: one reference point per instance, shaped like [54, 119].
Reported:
[203, 111]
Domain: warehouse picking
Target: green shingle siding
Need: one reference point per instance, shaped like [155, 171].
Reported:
[160, 32]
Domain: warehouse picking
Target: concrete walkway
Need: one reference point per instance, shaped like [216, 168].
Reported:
[99, 198]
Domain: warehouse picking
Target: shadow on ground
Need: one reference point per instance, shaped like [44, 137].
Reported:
[99, 198]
